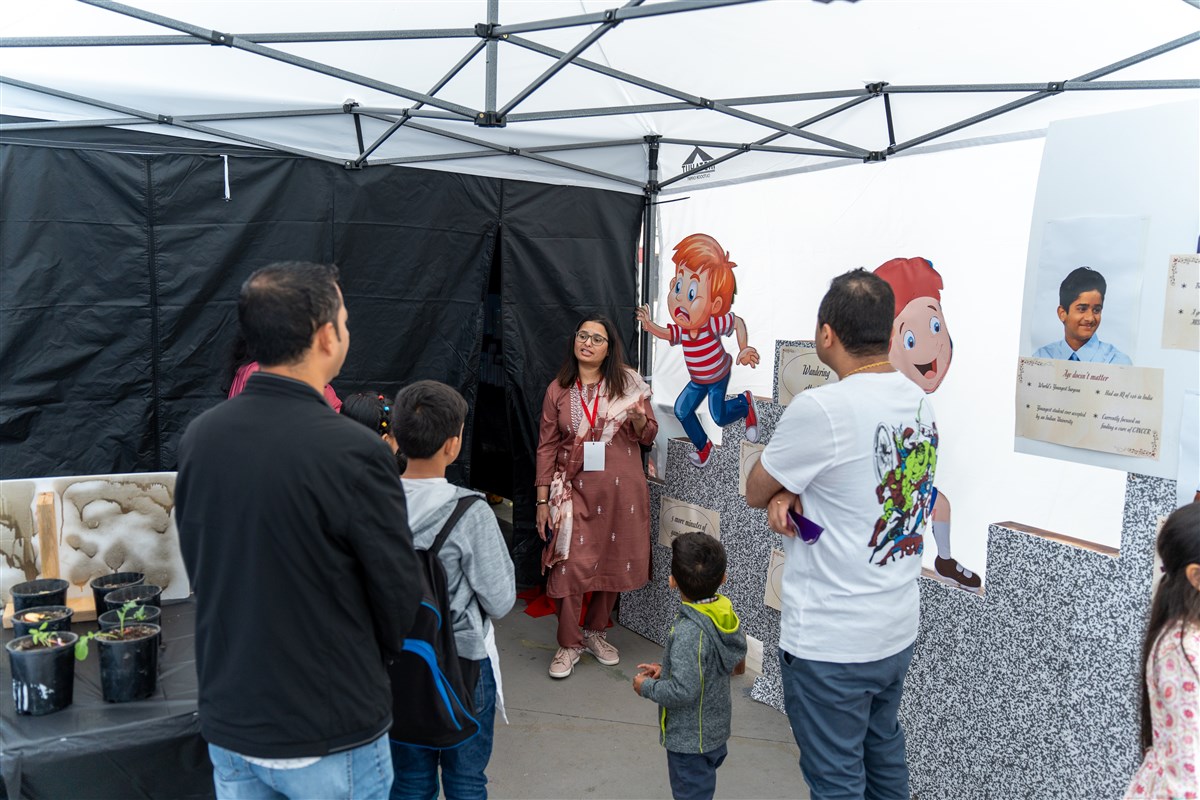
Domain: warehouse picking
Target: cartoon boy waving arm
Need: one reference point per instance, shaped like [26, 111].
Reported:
[699, 300]
[921, 350]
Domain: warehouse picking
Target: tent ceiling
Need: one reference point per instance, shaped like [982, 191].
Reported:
[764, 88]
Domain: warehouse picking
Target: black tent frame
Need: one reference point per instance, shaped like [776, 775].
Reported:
[488, 36]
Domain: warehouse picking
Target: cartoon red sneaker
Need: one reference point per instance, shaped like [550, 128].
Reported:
[701, 456]
[751, 419]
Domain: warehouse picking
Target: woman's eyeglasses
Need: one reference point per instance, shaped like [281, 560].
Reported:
[584, 337]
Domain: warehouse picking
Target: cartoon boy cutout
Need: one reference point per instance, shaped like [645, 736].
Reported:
[699, 299]
[922, 350]
[1080, 304]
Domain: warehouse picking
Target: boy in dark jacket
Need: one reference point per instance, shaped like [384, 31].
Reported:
[691, 686]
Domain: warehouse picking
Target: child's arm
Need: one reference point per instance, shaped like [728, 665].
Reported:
[740, 668]
[682, 687]
[746, 354]
[485, 563]
[648, 325]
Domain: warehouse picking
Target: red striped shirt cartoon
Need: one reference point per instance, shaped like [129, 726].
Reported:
[699, 300]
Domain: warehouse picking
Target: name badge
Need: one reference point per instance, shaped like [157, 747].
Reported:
[593, 456]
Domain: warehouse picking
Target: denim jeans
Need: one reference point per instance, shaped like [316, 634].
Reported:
[364, 773]
[723, 411]
[844, 718]
[462, 767]
[694, 775]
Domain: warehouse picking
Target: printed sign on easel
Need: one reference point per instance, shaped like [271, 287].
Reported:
[798, 368]
[1181, 316]
[677, 517]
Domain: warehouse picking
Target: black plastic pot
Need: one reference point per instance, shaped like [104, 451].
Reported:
[22, 624]
[146, 594]
[117, 580]
[129, 667]
[43, 679]
[110, 621]
[42, 592]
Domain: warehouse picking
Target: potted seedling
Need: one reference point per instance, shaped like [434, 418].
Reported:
[110, 620]
[49, 618]
[43, 671]
[128, 656]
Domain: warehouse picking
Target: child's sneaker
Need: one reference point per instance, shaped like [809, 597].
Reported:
[596, 643]
[700, 457]
[564, 662]
[751, 419]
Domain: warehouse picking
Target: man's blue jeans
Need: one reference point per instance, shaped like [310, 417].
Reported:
[723, 411]
[844, 719]
[462, 766]
[362, 773]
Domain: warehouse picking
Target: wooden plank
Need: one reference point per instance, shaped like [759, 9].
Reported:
[47, 526]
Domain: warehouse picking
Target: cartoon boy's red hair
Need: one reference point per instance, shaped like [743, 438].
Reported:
[911, 278]
[702, 253]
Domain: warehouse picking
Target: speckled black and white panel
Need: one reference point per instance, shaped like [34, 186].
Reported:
[1030, 691]
[744, 532]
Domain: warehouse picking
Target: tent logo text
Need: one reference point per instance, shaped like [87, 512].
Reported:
[696, 166]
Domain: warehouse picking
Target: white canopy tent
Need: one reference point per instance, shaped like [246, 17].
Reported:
[715, 92]
[576, 93]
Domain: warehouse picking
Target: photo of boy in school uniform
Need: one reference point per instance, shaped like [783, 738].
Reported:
[1080, 303]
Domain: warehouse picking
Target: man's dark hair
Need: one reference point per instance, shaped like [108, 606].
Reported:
[425, 415]
[282, 305]
[1078, 281]
[859, 307]
[697, 565]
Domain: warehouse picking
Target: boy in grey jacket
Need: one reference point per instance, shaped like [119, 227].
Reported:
[691, 686]
[427, 421]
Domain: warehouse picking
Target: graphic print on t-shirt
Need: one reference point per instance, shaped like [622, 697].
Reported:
[905, 460]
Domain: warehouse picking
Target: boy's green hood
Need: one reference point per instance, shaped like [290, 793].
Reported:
[721, 612]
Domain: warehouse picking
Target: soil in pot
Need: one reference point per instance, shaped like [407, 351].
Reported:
[42, 592]
[43, 676]
[111, 620]
[104, 584]
[57, 618]
[146, 594]
[129, 662]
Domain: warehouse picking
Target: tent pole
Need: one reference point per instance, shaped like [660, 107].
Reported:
[229, 40]
[364, 153]
[768, 139]
[617, 15]
[649, 222]
[695, 100]
[493, 18]
[563, 60]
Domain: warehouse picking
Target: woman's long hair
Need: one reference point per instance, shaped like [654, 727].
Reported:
[613, 370]
[1177, 602]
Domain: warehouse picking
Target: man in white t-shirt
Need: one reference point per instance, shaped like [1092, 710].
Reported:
[856, 459]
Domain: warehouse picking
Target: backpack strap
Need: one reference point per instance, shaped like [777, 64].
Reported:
[459, 509]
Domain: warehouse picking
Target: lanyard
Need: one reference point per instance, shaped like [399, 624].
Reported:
[591, 417]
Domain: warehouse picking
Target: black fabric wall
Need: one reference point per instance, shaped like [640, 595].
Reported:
[119, 275]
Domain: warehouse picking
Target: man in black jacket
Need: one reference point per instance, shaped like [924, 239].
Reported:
[295, 535]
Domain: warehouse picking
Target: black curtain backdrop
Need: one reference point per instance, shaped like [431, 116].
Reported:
[119, 275]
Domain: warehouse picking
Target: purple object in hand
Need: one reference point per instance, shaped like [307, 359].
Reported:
[808, 530]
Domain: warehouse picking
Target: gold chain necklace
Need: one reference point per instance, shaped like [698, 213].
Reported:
[866, 366]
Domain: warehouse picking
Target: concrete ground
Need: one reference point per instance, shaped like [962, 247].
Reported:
[589, 735]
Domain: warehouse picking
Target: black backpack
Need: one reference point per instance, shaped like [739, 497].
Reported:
[431, 704]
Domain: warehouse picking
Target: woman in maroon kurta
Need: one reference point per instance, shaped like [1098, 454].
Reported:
[593, 505]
